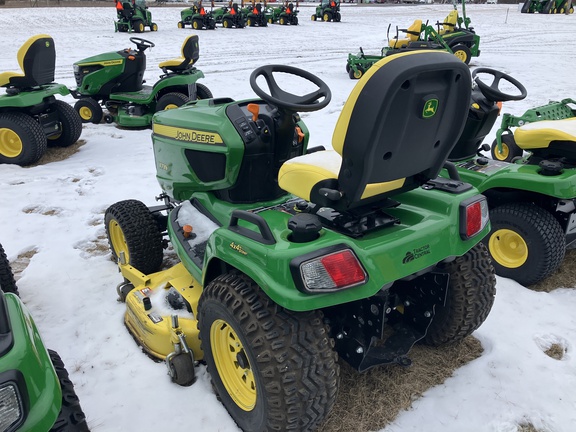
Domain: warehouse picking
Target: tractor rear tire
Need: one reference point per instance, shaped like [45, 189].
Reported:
[171, 101]
[470, 297]
[22, 140]
[89, 110]
[131, 228]
[71, 416]
[526, 242]
[70, 123]
[202, 92]
[7, 281]
[273, 369]
[510, 149]
[226, 23]
[462, 52]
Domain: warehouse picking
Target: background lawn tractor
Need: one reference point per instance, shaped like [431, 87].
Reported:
[197, 17]
[115, 80]
[532, 201]
[283, 14]
[255, 15]
[290, 256]
[546, 6]
[230, 16]
[31, 118]
[133, 15]
[328, 10]
[450, 36]
[36, 393]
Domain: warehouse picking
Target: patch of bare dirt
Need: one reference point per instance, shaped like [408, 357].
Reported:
[370, 401]
[564, 277]
[21, 262]
[57, 154]
[556, 351]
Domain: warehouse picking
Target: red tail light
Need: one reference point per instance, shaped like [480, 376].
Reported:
[473, 216]
[332, 272]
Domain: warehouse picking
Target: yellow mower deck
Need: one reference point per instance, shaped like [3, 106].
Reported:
[152, 328]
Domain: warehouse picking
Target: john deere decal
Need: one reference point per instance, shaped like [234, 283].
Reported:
[430, 108]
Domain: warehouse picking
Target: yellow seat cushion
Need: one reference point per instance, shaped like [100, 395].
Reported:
[413, 33]
[299, 175]
[449, 22]
[540, 134]
[5, 77]
[171, 63]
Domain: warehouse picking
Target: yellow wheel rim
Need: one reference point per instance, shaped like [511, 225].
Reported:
[358, 74]
[85, 113]
[326, 17]
[505, 152]
[180, 25]
[118, 240]
[233, 366]
[171, 106]
[461, 55]
[195, 25]
[508, 248]
[10, 143]
[226, 24]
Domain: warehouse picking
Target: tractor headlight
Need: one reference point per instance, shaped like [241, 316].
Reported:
[11, 412]
[329, 270]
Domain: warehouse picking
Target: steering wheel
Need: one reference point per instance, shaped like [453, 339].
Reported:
[492, 92]
[290, 101]
[142, 44]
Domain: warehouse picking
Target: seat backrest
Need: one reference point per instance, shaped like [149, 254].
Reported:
[37, 59]
[399, 124]
[450, 21]
[413, 32]
[191, 50]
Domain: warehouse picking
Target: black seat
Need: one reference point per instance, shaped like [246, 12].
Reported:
[394, 133]
[190, 54]
[37, 59]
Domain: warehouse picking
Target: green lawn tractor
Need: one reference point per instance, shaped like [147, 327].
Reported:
[546, 6]
[36, 393]
[291, 255]
[133, 15]
[328, 10]
[532, 201]
[283, 14]
[31, 118]
[255, 15]
[230, 16]
[453, 35]
[197, 17]
[114, 80]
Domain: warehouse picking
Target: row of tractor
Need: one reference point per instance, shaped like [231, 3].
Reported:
[292, 256]
[548, 6]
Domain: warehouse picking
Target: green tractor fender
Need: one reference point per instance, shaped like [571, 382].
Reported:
[28, 354]
[524, 178]
[27, 99]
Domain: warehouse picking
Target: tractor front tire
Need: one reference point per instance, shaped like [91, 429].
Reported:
[337, 17]
[327, 17]
[181, 25]
[89, 110]
[171, 101]
[131, 228]
[282, 21]
[356, 74]
[273, 369]
[22, 140]
[526, 242]
[70, 123]
[138, 26]
[71, 416]
[7, 281]
[203, 92]
[510, 149]
[470, 297]
[226, 23]
[314, 17]
[462, 52]
[197, 24]
[153, 27]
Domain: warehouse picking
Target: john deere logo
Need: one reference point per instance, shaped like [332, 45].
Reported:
[430, 108]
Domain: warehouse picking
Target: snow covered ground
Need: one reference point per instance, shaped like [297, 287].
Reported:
[55, 212]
